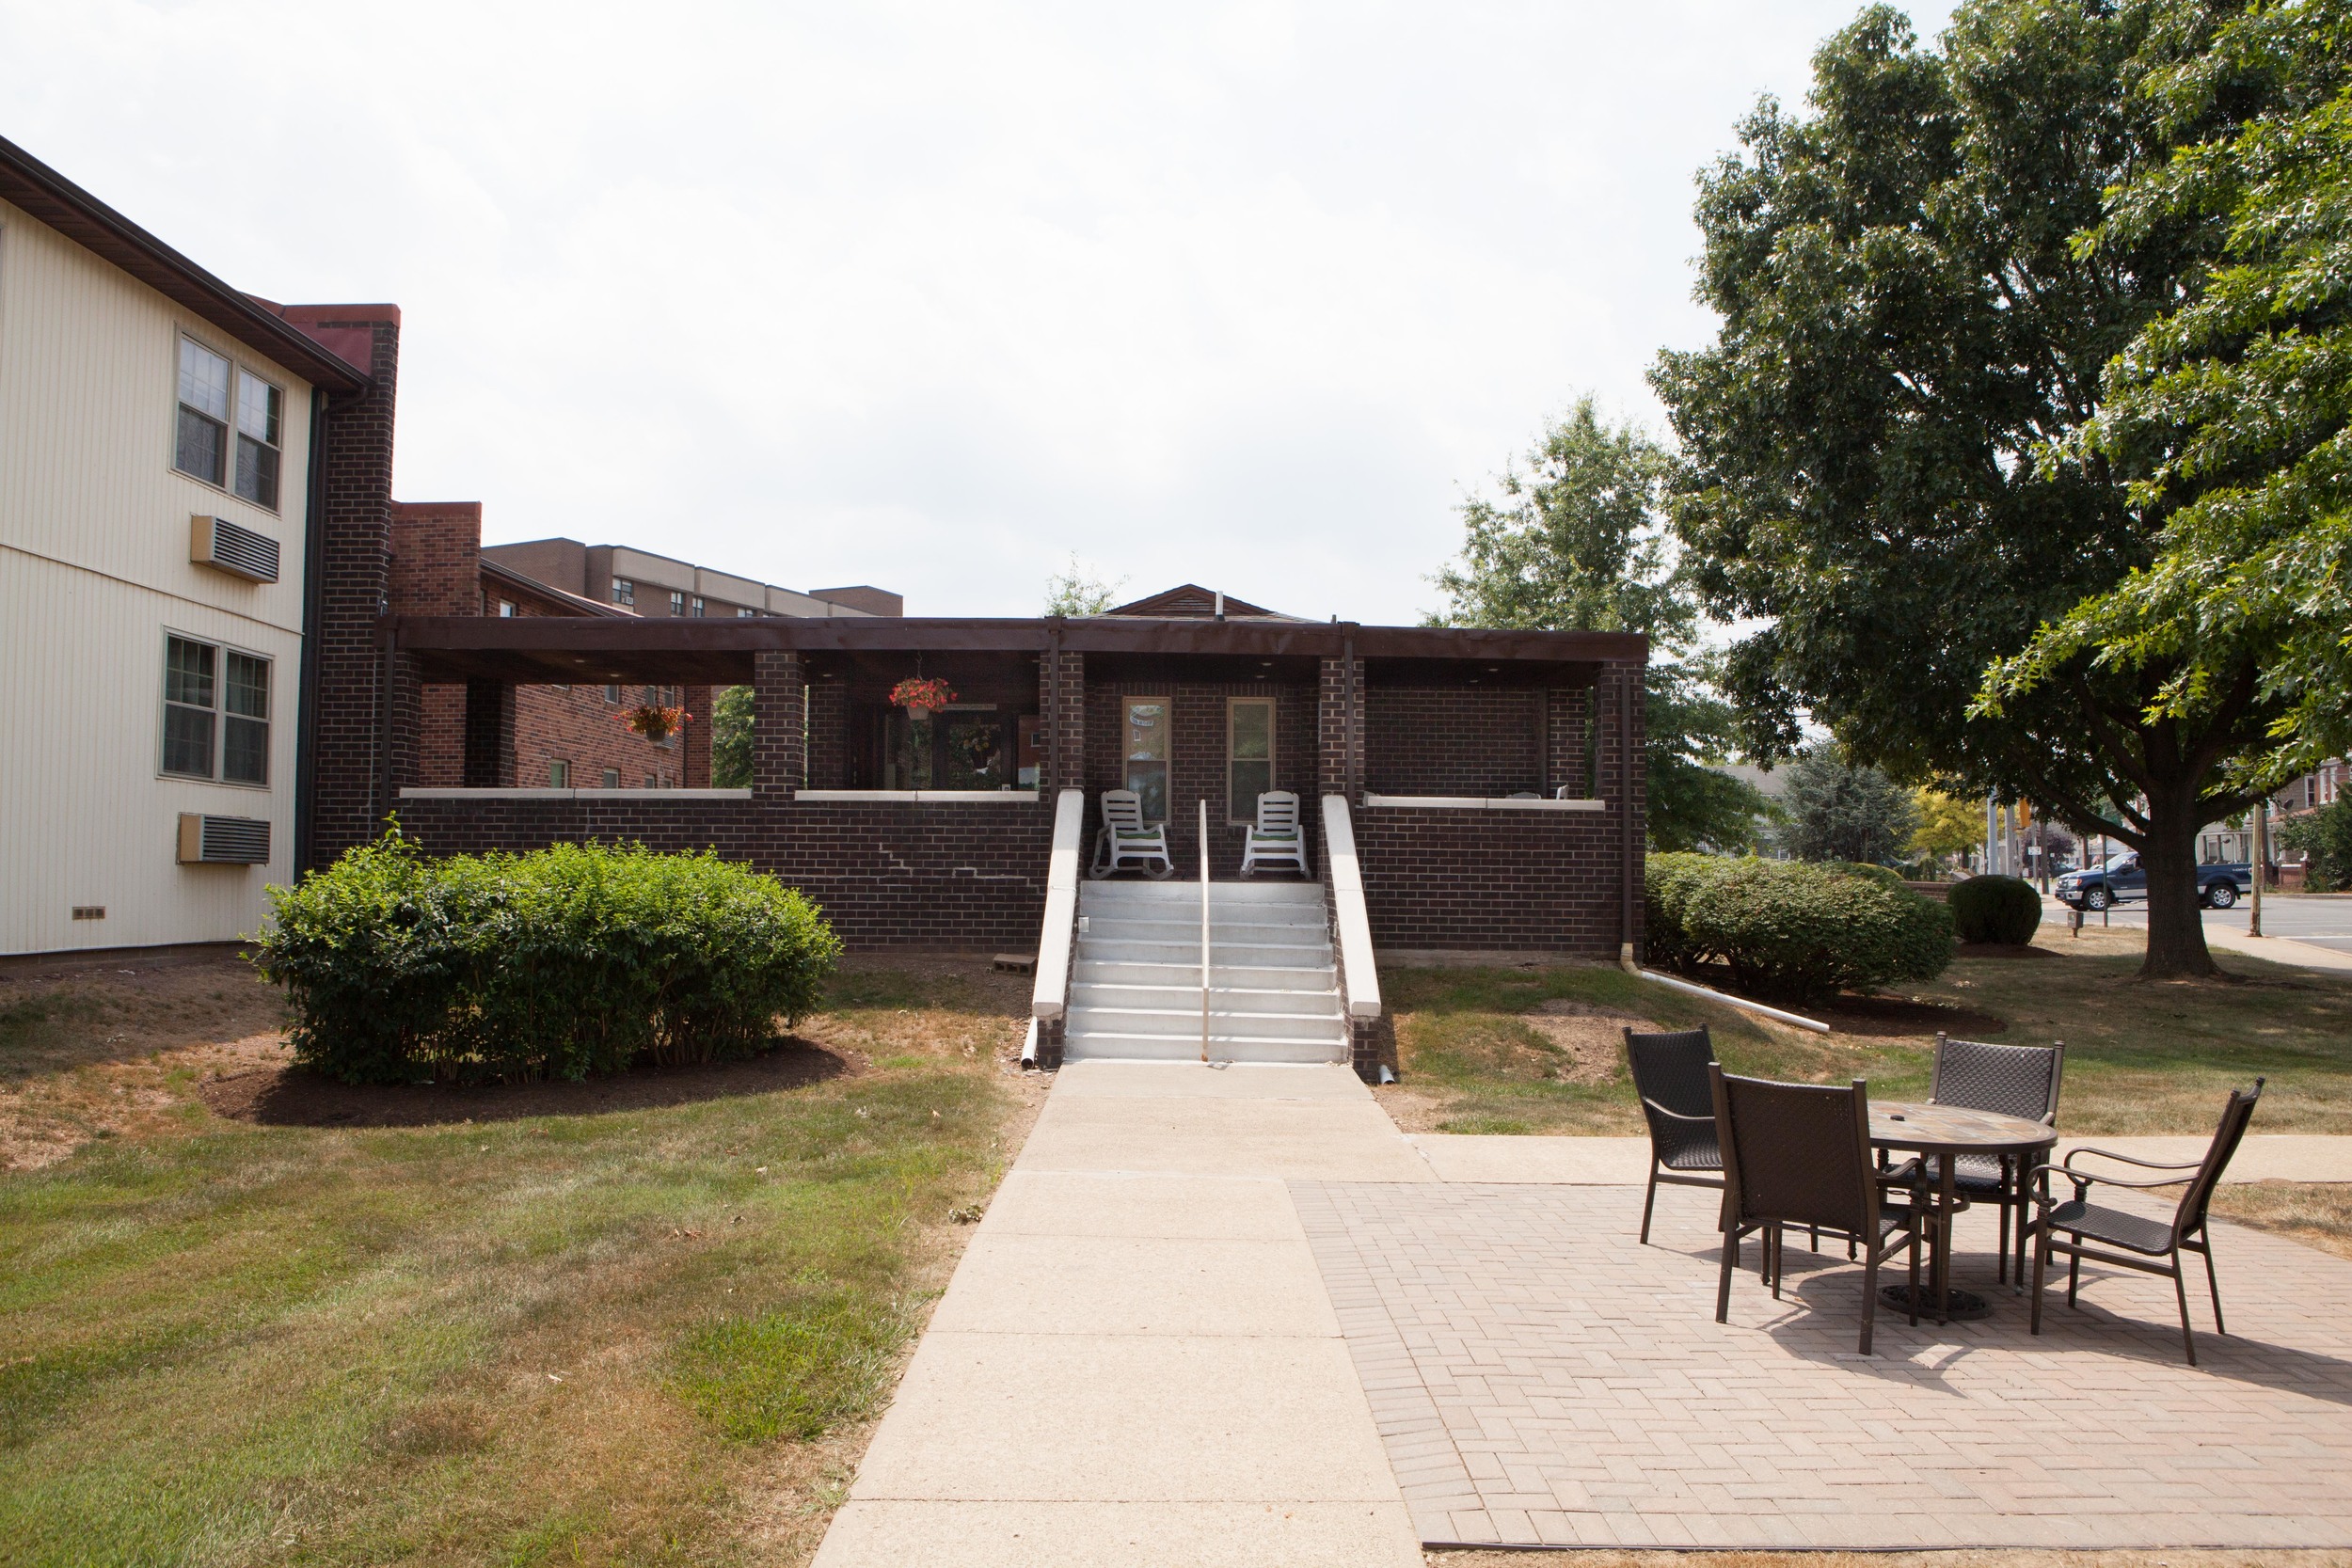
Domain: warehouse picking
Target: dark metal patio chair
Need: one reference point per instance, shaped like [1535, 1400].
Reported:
[2142, 1239]
[1800, 1154]
[1670, 1074]
[2014, 1080]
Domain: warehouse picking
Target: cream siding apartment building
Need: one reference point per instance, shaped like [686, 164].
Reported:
[155, 461]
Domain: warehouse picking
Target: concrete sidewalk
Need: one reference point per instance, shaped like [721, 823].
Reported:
[1136, 1361]
[1624, 1162]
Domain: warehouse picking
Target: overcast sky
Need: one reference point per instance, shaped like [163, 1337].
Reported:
[934, 296]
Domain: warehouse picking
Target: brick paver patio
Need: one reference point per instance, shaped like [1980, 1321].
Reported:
[1539, 1378]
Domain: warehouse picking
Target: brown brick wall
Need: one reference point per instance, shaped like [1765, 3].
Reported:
[958, 876]
[1501, 880]
[1197, 762]
[1452, 740]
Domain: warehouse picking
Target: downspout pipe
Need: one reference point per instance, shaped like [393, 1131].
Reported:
[313, 613]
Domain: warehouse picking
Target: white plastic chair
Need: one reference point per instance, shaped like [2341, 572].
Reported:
[1126, 838]
[1276, 840]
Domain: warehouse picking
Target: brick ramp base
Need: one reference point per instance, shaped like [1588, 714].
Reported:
[1540, 1379]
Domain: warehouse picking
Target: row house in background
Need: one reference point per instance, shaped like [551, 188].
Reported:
[656, 586]
[558, 737]
[166, 443]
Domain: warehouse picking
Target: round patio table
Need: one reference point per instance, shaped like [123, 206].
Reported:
[1928, 1129]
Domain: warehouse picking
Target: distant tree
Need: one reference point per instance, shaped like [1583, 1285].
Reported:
[1839, 812]
[1948, 826]
[2324, 838]
[731, 739]
[1079, 591]
[1575, 540]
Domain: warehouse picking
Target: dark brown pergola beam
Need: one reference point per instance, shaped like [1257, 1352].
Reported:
[539, 650]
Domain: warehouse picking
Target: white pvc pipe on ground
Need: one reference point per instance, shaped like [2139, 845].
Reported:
[1739, 1001]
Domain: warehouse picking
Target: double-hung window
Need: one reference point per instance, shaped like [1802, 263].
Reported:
[216, 712]
[1249, 755]
[623, 591]
[209, 385]
[677, 603]
[1146, 752]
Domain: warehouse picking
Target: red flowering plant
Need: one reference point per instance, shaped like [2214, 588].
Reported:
[922, 697]
[655, 722]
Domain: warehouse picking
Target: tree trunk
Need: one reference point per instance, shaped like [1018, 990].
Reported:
[2176, 922]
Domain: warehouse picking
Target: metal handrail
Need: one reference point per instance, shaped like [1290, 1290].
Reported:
[1204, 930]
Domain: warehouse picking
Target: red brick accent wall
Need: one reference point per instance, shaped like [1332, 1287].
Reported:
[969, 877]
[576, 725]
[1451, 740]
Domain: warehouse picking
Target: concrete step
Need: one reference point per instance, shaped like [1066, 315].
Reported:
[1172, 1048]
[1175, 995]
[1316, 979]
[1091, 1021]
[1293, 954]
[1175, 890]
[1222, 930]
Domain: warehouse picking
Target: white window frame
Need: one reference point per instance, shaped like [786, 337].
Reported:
[221, 652]
[239, 373]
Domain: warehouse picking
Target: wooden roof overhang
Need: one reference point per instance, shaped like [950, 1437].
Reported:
[554, 650]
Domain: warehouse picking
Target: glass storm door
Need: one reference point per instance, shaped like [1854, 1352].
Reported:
[1249, 755]
[1146, 750]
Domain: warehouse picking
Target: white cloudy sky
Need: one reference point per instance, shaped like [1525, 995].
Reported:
[932, 296]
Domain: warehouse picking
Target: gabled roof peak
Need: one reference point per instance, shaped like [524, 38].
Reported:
[1191, 602]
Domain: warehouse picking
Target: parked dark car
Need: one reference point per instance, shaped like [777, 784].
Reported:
[2120, 879]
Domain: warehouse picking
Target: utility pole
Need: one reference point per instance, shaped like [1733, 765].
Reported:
[2262, 865]
[1992, 837]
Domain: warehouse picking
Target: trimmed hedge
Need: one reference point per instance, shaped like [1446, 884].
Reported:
[1793, 929]
[1996, 908]
[561, 962]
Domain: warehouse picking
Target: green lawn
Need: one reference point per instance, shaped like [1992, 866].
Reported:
[2140, 1058]
[647, 1336]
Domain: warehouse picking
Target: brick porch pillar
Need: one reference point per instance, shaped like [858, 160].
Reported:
[1570, 760]
[1061, 701]
[489, 755]
[779, 726]
[1340, 726]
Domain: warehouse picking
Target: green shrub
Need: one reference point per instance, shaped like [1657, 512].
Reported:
[1996, 908]
[2325, 837]
[565, 962]
[1793, 929]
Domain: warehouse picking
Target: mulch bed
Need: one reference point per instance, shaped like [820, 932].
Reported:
[296, 1097]
[1872, 1017]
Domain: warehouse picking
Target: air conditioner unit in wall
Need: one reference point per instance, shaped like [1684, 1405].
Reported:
[231, 548]
[223, 840]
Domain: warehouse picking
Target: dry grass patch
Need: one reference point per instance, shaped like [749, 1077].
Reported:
[2317, 1214]
[654, 1334]
[1975, 1558]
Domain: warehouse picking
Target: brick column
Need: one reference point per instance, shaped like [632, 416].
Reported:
[1340, 730]
[1622, 781]
[695, 746]
[401, 713]
[1061, 700]
[778, 724]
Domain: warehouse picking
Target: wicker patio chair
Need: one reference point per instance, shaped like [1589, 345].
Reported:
[2014, 1080]
[2142, 1239]
[1800, 1154]
[1670, 1074]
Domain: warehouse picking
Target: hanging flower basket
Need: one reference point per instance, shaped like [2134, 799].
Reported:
[655, 723]
[922, 697]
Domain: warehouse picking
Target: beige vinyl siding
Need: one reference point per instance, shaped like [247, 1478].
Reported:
[88, 406]
[94, 570]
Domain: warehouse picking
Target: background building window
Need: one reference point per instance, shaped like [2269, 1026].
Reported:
[559, 775]
[1249, 755]
[694, 607]
[202, 448]
[613, 695]
[210, 695]
[612, 778]
[506, 609]
[677, 603]
[740, 612]
[259, 405]
[624, 591]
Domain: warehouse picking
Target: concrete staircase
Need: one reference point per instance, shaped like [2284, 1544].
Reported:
[1136, 987]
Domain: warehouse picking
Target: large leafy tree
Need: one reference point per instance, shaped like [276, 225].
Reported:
[1575, 540]
[1906, 328]
[2229, 415]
